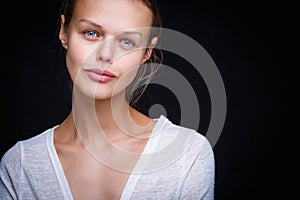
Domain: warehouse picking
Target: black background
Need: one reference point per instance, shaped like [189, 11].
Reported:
[253, 44]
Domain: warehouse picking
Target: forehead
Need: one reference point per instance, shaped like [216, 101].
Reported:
[114, 15]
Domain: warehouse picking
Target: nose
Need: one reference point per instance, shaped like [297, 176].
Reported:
[106, 51]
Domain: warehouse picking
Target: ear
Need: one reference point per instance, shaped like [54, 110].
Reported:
[150, 49]
[63, 36]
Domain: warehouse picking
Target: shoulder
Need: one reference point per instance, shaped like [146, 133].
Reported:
[11, 156]
[171, 130]
[23, 148]
[183, 139]
[38, 141]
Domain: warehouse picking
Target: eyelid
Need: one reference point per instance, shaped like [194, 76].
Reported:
[133, 44]
[93, 31]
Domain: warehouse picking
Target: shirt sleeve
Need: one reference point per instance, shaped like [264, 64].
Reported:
[10, 167]
[200, 180]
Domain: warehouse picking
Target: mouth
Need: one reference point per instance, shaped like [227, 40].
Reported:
[98, 75]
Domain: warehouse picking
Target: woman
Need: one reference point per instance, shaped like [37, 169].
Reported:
[106, 149]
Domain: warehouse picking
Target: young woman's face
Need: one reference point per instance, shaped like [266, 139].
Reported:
[106, 44]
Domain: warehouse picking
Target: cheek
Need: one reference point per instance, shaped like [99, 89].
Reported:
[130, 63]
[127, 67]
[75, 58]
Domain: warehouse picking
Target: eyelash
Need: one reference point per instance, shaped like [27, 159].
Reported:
[121, 41]
[86, 33]
[132, 44]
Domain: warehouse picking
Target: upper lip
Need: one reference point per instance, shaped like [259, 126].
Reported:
[101, 72]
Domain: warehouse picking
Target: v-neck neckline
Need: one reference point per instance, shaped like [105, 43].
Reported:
[133, 177]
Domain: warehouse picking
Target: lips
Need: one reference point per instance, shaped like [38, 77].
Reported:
[99, 75]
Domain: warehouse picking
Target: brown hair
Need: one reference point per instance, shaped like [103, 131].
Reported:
[146, 71]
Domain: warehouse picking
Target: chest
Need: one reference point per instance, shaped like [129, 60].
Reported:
[90, 179]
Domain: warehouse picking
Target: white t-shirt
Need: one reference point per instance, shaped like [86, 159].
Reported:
[177, 163]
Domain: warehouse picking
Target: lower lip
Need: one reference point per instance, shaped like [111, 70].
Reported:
[99, 78]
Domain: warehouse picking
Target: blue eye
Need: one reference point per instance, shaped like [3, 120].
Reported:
[127, 43]
[90, 34]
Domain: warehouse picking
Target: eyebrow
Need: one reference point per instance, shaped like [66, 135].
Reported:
[88, 21]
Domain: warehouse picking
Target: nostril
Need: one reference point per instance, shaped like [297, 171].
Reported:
[105, 51]
[104, 59]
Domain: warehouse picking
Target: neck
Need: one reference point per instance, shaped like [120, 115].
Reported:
[112, 117]
[106, 128]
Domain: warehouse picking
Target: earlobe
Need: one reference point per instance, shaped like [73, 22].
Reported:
[147, 55]
[63, 33]
[150, 49]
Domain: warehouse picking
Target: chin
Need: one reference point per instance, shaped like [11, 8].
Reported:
[99, 95]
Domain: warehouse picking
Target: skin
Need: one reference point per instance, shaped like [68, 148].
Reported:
[101, 119]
